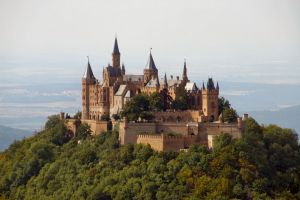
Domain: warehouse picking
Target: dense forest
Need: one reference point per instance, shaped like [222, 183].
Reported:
[263, 164]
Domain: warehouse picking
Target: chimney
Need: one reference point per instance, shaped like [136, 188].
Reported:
[245, 117]
[62, 115]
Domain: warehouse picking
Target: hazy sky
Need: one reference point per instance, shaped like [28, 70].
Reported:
[231, 40]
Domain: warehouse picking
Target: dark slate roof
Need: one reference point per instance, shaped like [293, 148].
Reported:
[88, 74]
[150, 63]
[113, 71]
[116, 47]
[210, 84]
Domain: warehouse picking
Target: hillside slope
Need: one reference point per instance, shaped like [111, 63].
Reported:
[264, 164]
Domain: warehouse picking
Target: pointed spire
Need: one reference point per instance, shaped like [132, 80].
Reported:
[157, 82]
[217, 86]
[165, 81]
[184, 74]
[88, 74]
[123, 69]
[203, 86]
[150, 63]
[116, 47]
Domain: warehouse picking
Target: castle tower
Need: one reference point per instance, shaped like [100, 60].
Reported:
[184, 74]
[88, 80]
[150, 70]
[116, 55]
[210, 96]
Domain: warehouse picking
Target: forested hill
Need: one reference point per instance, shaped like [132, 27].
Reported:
[264, 164]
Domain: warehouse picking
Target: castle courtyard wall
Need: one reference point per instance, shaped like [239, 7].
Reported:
[206, 132]
[97, 127]
[155, 141]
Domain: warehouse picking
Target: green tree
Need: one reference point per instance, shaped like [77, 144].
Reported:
[52, 121]
[222, 104]
[136, 106]
[181, 100]
[229, 115]
[156, 102]
[83, 131]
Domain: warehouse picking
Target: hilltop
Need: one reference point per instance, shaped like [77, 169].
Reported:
[263, 164]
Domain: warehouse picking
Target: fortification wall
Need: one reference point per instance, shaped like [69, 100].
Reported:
[97, 127]
[161, 142]
[190, 140]
[128, 131]
[218, 128]
[178, 116]
[155, 141]
[173, 143]
[179, 128]
[203, 133]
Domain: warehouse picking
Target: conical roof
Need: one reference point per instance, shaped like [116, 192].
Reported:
[150, 63]
[88, 74]
[116, 47]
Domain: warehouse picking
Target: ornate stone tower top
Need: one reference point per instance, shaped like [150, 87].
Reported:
[150, 70]
[116, 55]
[210, 96]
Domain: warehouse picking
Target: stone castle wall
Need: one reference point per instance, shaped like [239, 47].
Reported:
[155, 141]
[97, 127]
[202, 133]
[179, 116]
[161, 142]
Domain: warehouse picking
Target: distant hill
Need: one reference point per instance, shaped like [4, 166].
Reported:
[286, 117]
[8, 135]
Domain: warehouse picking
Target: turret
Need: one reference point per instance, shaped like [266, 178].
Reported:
[210, 96]
[150, 70]
[116, 55]
[88, 79]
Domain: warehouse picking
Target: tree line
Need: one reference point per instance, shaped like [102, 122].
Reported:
[263, 164]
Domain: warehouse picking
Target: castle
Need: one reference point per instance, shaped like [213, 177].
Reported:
[109, 96]
[171, 129]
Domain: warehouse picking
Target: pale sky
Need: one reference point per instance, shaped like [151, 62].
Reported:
[231, 40]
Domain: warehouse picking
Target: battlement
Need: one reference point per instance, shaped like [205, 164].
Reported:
[163, 142]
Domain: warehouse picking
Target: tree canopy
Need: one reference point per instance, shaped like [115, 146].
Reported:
[263, 164]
